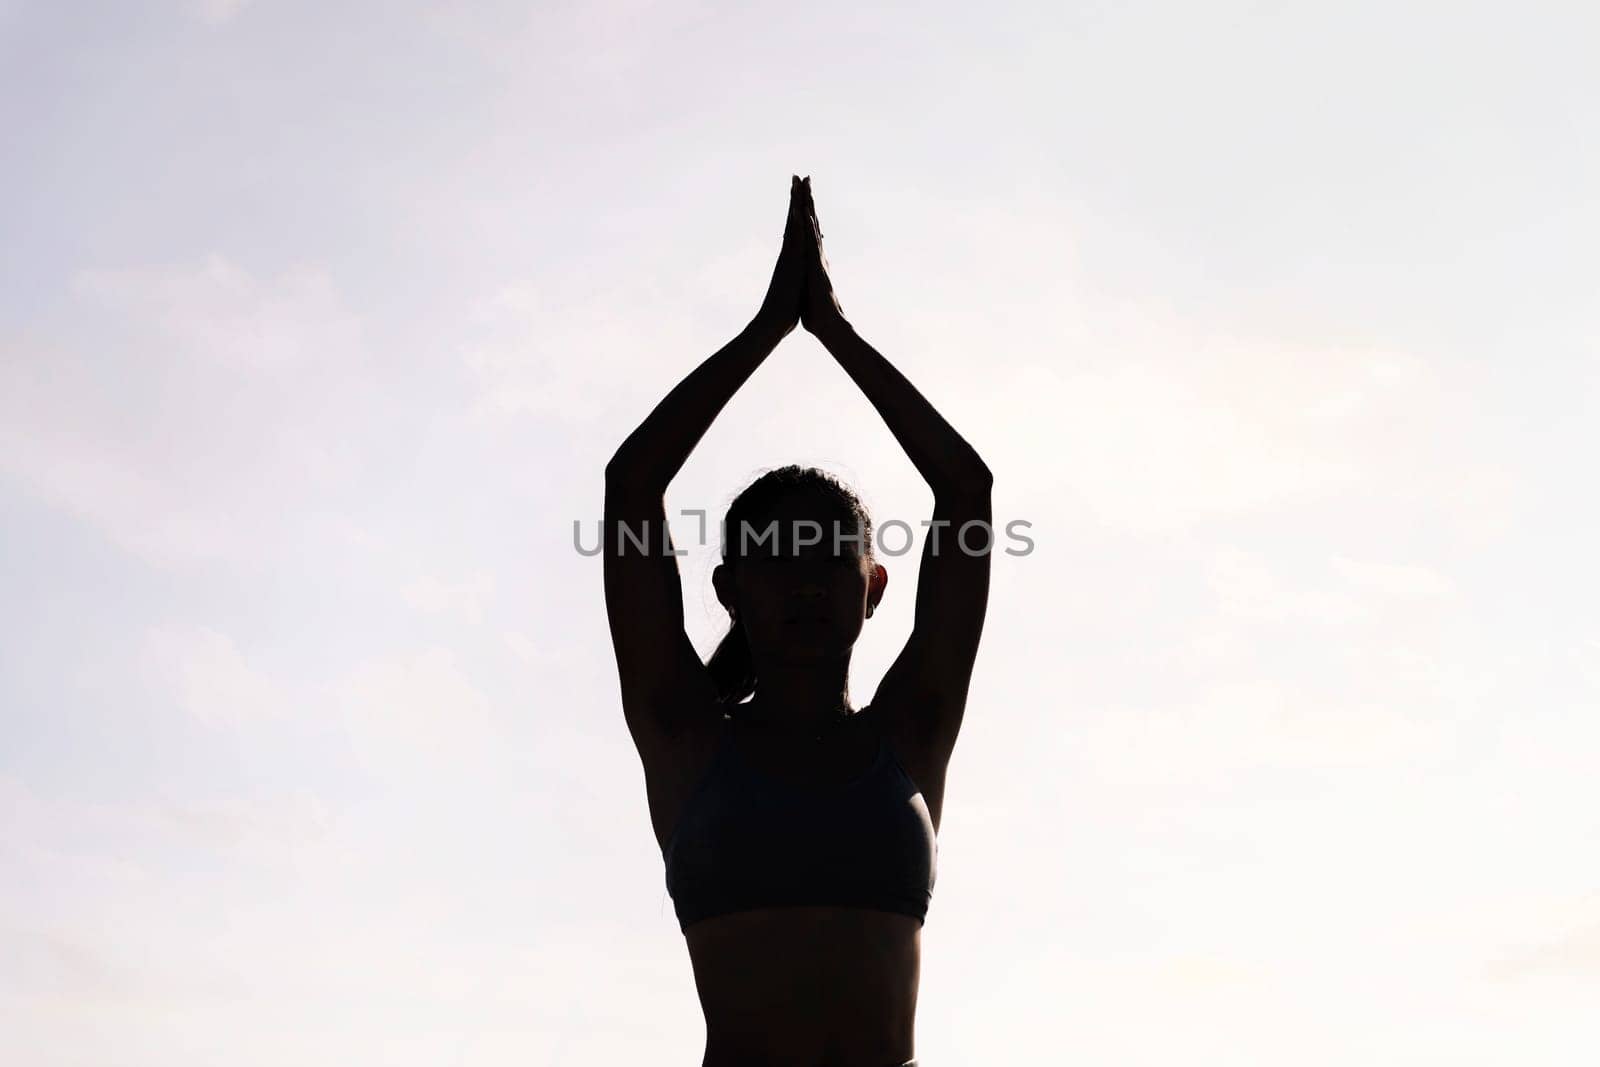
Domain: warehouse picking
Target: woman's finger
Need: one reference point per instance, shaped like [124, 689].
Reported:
[796, 216]
[811, 207]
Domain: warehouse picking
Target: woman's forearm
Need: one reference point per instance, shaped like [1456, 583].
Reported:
[941, 456]
[652, 454]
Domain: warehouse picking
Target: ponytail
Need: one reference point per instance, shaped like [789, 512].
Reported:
[732, 668]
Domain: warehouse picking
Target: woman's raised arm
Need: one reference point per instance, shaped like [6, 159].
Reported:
[944, 459]
[925, 690]
[659, 670]
[654, 452]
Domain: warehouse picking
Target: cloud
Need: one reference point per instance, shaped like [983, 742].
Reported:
[179, 419]
[1575, 954]
[536, 652]
[1404, 581]
[1586, 654]
[1149, 449]
[1248, 724]
[209, 677]
[94, 846]
[217, 12]
[397, 711]
[1512, 936]
[1247, 589]
[1187, 427]
[463, 599]
[561, 351]
[220, 314]
[1304, 668]
[612, 38]
[1156, 420]
[418, 709]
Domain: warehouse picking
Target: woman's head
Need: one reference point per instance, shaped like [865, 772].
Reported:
[797, 576]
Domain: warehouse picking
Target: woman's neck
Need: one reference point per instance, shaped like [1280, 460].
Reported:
[797, 701]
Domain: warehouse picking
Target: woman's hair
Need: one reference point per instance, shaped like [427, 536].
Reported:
[732, 667]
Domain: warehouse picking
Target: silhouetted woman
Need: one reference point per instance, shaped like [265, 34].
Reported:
[798, 832]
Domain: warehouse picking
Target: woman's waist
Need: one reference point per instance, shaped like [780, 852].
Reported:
[833, 979]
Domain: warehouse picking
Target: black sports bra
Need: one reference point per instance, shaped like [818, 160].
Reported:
[749, 840]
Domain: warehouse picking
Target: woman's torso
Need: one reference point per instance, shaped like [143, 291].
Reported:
[798, 984]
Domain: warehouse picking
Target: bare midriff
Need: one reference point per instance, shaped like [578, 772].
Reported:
[793, 986]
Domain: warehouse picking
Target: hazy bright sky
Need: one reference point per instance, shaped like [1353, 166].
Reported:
[318, 323]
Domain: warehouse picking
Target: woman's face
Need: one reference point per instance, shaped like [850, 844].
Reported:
[801, 592]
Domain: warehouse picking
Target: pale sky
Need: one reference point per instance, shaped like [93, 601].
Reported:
[1276, 322]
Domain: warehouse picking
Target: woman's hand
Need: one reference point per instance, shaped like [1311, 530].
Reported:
[820, 312]
[780, 310]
